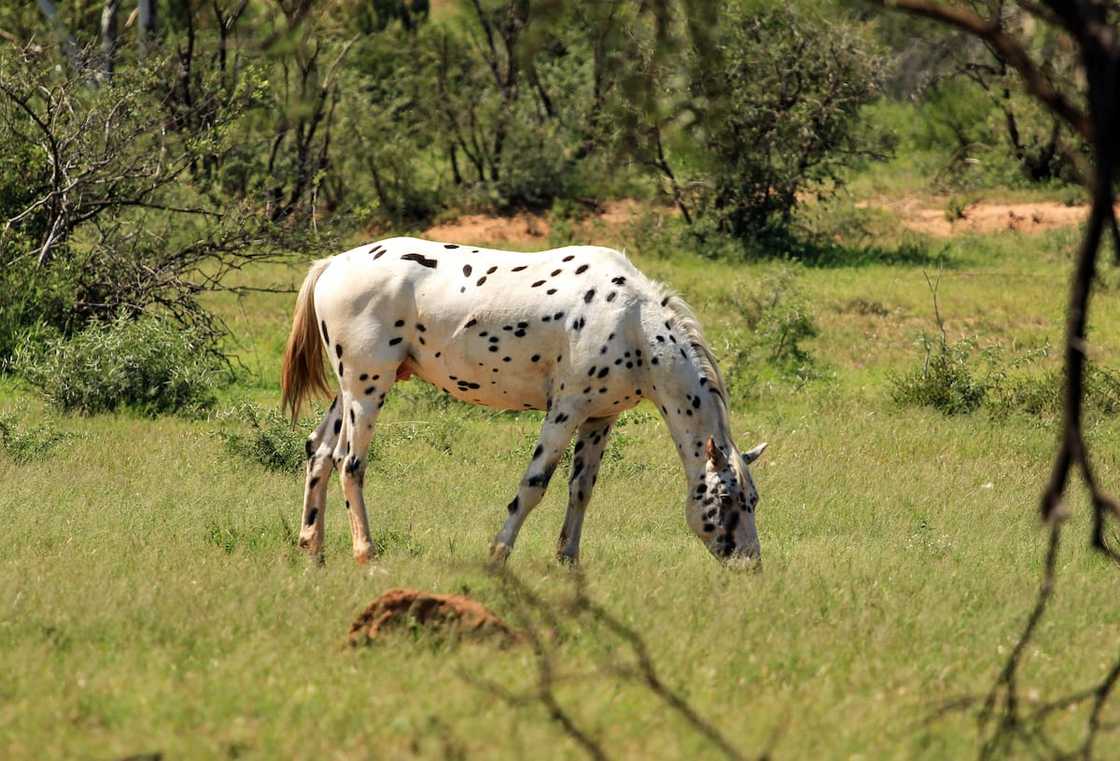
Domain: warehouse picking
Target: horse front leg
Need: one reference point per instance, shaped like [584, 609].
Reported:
[588, 454]
[559, 427]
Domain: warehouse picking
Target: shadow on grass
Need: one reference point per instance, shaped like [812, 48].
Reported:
[817, 252]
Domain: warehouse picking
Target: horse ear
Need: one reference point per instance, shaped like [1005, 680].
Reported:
[754, 454]
[715, 456]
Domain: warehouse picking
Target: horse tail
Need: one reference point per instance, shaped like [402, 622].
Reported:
[302, 375]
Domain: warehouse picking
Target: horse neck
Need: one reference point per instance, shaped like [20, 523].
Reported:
[677, 380]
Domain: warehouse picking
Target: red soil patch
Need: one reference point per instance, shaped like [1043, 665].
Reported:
[524, 227]
[527, 229]
[458, 615]
[985, 217]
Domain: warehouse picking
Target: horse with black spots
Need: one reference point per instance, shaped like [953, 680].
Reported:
[577, 332]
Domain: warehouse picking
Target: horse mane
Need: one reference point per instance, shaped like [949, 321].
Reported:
[685, 319]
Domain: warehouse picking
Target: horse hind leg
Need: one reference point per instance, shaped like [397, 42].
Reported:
[588, 454]
[320, 448]
[361, 410]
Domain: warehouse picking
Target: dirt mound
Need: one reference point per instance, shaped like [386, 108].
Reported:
[985, 217]
[457, 615]
[526, 228]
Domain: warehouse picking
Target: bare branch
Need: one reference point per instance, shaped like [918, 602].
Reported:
[1010, 49]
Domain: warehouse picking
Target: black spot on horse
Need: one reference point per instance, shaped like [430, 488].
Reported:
[568, 258]
[338, 350]
[312, 514]
[471, 323]
[398, 324]
[467, 270]
[309, 448]
[351, 417]
[603, 372]
[512, 506]
[618, 280]
[326, 336]
[450, 245]
[611, 295]
[491, 271]
[696, 402]
[538, 451]
[588, 296]
[421, 260]
[395, 341]
[363, 376]
[370, 390]
[581, 269]
[519, 269]
[551, 292]
[311, 484]
[537, 284]
[339, 369]
[535, 358]
[337, 426]
[665, 301]
[481, 280]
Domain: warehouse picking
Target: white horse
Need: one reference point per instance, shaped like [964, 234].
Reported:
[575, 331]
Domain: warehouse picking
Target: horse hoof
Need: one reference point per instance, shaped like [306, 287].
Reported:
[499, 552]
[565, 559]
[361, 555]
[310, 546]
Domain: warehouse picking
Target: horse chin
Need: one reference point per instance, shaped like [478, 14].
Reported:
[747, 559]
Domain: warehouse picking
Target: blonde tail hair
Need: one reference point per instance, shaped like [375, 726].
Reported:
[302, 375]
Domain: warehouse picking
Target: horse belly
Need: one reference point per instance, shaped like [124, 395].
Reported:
[483, 379]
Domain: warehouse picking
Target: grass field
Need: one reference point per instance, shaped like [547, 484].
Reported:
[151, 599]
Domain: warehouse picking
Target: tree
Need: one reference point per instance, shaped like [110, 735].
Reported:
[1094, 116]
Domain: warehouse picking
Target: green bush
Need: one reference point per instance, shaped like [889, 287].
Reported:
[266, 437]
[149, 365]
[1040, 395]
[768, 344]
[22, 445]
[946, 380]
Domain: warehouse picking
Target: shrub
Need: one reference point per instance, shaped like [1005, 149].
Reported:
[23, 445]
[149, 365]
[945, 381]
[780, 318]
[776, 320]
[266, 437]
[1040, 395]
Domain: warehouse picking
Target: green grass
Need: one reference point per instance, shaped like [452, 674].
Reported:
[151, 598]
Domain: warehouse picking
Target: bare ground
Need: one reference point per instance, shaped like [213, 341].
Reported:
[924, 215]
[981, 216]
